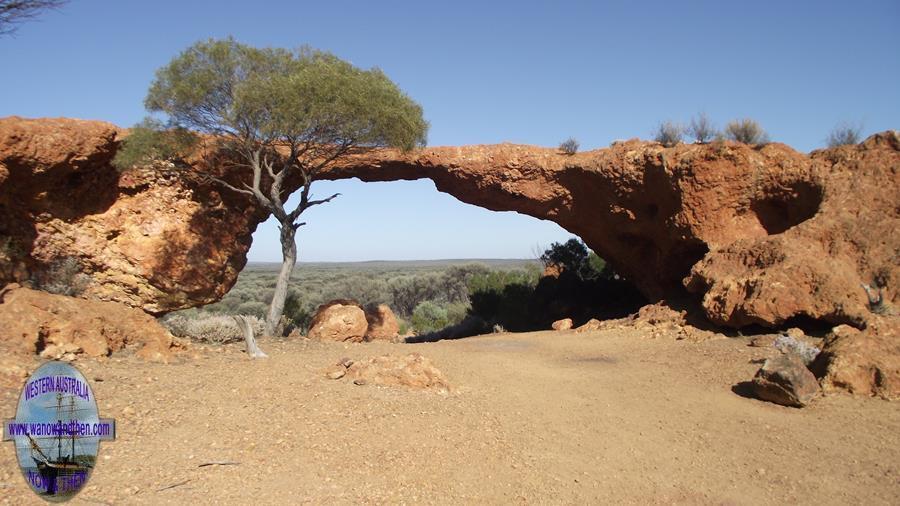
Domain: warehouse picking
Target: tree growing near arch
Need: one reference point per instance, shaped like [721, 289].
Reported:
[280, 116]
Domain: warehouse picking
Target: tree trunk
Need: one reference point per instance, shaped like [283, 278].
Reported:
[252, 349]
[289, 258]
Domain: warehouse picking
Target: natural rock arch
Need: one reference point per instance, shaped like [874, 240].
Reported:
[757, 235]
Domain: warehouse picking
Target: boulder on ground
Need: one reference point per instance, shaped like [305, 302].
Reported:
[339, 320]
[592, 324]
[785, 380]
[57, 326]
[564, 324]
[412, 371]
[862, 362]
[383, 325]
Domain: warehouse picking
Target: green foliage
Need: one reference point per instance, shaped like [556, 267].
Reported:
[401, 286]
[702, 129]
[150, 141]
[271, 95]
[503, 297]
[573, 256]
[429, 317]
[746, 131]
[669, 133]
[297, 311]
[844, 134]
[569, 146]
[457, 312]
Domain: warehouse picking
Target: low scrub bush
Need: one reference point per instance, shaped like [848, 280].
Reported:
[702, 129]
[747, 131]
[844, 135]
[669, 134]
[210, 328]
[429, 317]
[569, 146]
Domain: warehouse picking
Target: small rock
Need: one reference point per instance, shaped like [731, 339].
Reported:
[785, 380]
[564, 324]
[336, 372]
[359, 381]
[763, 341]
[346, 362]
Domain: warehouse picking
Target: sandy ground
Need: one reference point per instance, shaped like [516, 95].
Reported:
[538, 418]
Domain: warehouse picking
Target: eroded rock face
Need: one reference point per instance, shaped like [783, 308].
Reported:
[56, 326]
[863, 362]
[758, 235]
[147, 240]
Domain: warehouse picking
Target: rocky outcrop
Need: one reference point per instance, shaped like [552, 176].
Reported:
[863, 362]
[56, 326]
[146, 239]
[756, 235]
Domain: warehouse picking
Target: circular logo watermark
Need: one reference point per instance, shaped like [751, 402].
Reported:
[57, 431]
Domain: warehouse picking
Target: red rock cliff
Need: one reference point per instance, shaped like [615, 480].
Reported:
[756, 235]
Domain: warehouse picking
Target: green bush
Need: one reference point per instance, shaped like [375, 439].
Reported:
[429, 317]
[575, 257]
[503, 297]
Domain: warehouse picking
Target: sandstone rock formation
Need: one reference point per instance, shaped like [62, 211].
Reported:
[862, 362]
[383, 325]
[56, 326]
[756, 235]
[147, 239]
[339, 320]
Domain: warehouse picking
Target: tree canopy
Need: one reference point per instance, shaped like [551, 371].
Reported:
[273, 113]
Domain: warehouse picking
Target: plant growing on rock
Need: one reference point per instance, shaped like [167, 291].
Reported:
[746, 131]
[669, 133]
[273, 119]
[843, 135]
[569, 146]
[702, 129]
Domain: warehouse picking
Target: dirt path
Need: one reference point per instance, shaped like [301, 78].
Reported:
[605, 417]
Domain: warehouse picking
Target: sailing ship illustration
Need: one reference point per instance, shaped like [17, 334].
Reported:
[68, 466]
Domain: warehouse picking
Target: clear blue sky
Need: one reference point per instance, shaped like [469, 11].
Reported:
[487, 72]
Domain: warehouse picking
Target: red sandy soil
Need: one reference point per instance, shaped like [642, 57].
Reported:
[602, 417]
